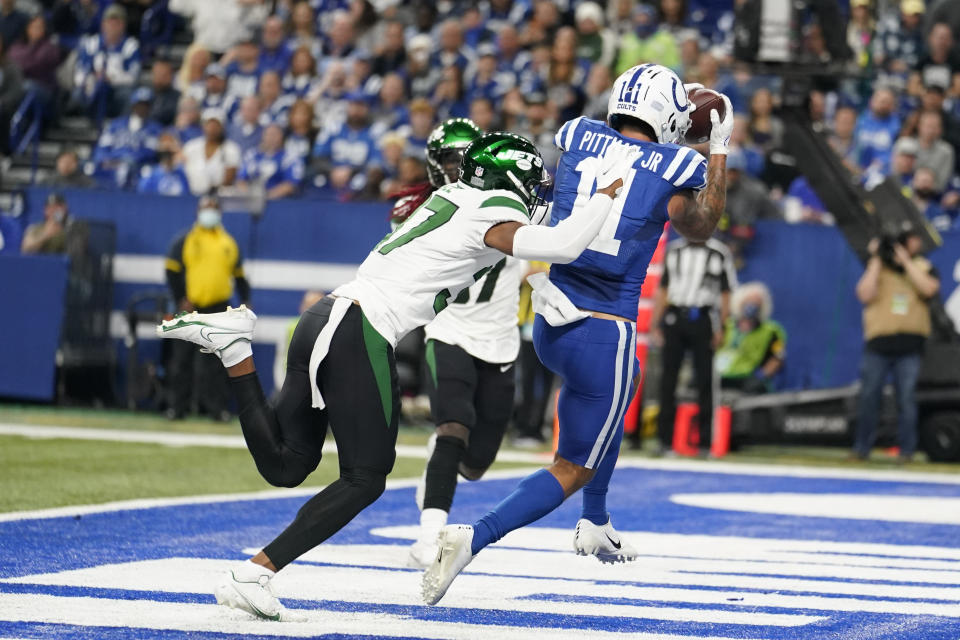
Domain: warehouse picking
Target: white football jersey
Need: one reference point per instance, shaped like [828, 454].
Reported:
[420, 268]
[482, 320]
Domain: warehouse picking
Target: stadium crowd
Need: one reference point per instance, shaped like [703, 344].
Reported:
[337, 97]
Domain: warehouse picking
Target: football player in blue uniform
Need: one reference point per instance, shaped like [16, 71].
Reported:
[585, 329]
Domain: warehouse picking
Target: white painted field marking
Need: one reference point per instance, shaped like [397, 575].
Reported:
[383, 587]
[223, 441]
[857, 506]
[267, 494]
[146, 614]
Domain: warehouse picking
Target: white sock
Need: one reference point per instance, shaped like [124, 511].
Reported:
[236, 353]
[431, 521]
[251, 571]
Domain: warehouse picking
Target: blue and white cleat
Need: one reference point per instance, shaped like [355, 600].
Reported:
[453, 555]
[227, 334]
[603, 542]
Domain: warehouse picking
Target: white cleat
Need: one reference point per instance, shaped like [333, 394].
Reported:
[603, 542]
[422, 485]
[227, 334]
[422, 554]
[247, 588]
[453, 555]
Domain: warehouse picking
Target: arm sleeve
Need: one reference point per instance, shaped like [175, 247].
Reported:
[564, 242]
[176, 276]
[243, 285]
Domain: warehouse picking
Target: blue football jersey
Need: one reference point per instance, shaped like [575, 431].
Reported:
[607, 277]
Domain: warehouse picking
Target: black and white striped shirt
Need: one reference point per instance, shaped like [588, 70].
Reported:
[695, 274]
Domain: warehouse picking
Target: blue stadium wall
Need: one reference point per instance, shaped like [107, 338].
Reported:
[316, 244]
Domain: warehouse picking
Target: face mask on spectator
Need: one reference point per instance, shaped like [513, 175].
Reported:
[926, 194]
[750, 312]
[208, 218]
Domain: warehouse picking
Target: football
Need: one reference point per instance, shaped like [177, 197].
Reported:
[705, 100]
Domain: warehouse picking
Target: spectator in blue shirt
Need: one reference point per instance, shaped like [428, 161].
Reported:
[274, 104]
[926, 196]
[301, 81]
[391, 112]
[166, 178]
[186, 125]
[877, 130]
[128, 142]
[340, 42]
[343, 155]
[274, 54]
[245, 128]
[449, 97]
[108, 66]
[303, 25]
[486, 81]
[511, 58]
[243, 72]
[451, 51]
[215, 94]
[271, 167]
[421, 125]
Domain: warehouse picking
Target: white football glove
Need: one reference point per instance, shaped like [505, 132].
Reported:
[616, 162]
[720, 131]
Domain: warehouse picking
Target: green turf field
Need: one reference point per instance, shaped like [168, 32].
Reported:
[38, 473]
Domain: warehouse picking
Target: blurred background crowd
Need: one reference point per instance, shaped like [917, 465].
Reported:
[335, 100]
[337, 97]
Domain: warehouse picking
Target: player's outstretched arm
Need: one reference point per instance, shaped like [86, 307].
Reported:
[697, 217]
[564, 242]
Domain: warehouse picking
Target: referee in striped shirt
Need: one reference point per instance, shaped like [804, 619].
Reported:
[690, 309]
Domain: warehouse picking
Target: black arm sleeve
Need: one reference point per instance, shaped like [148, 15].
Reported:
[175, 271]
[243, 285]
[243, 289]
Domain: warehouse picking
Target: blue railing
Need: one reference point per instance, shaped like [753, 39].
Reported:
[25, 128]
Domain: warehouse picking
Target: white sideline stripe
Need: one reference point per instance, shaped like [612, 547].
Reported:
[146, 614]
[359, 585]
[222, 441]
[858, 506]
[286, 275]
[701, 466]
[213, 498]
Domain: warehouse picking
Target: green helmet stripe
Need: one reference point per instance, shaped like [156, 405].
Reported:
[504, 201]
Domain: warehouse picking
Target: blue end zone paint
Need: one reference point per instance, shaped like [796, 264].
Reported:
[639, 500]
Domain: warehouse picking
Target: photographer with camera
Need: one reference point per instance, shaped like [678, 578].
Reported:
[894, 290]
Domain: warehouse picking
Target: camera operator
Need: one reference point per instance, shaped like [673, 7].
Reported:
[894, 290]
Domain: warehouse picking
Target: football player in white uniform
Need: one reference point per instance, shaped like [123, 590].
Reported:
[340, 366]
[470, 350]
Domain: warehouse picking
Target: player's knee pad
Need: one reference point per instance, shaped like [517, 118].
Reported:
[367, 484]
[454, 430]
[472, 473]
